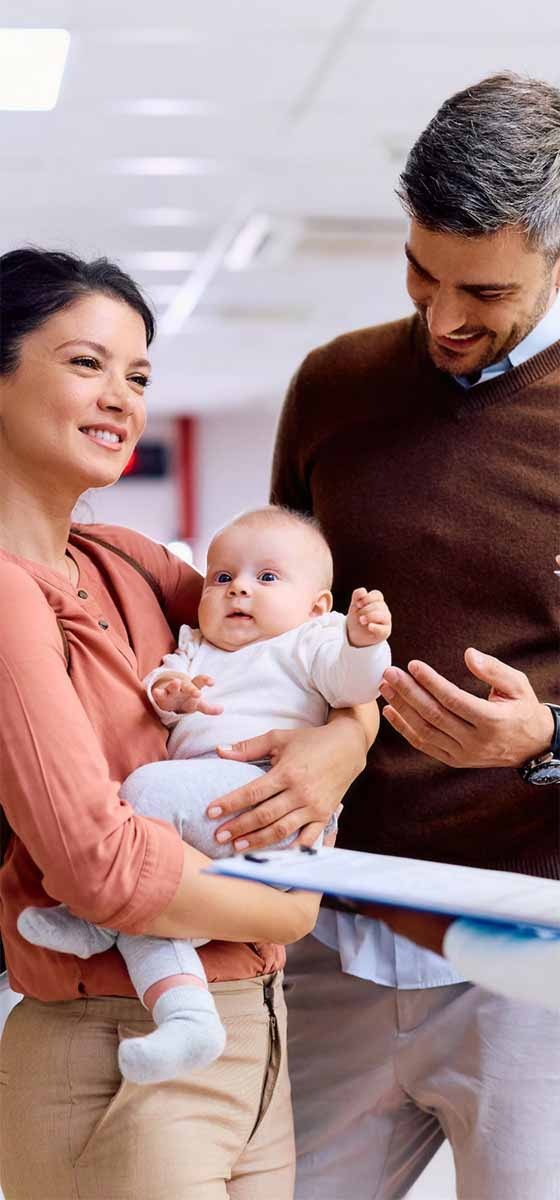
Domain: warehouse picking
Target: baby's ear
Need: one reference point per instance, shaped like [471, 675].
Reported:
[323, 604]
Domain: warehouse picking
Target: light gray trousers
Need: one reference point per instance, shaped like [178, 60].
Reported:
[380, 1076]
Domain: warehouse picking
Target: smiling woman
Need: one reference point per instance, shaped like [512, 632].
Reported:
[76, 723]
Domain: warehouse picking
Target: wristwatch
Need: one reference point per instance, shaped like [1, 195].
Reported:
[545, 769]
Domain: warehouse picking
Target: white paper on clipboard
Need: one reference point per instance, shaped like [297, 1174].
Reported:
[497, 896]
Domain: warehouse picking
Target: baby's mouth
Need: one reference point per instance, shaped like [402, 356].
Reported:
[239, 615]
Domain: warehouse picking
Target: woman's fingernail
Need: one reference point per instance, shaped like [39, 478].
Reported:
[223, 836]
[226, 748]
[215, 812]
[386, 691]
[241, 844]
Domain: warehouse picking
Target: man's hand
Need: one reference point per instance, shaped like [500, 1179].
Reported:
[368, 621]
[311, 771]
[180, 694]
[425, 928]
[461, 730]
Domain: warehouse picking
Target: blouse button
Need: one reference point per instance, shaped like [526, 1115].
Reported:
[83, 595]
[103, 624]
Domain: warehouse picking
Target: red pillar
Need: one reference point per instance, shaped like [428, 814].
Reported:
[187, 477]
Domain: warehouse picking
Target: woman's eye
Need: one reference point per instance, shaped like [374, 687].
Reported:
[268, 577]
[223, 577]
[85, 360]
[142, 381]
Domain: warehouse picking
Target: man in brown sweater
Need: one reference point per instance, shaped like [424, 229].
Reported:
[428, 449]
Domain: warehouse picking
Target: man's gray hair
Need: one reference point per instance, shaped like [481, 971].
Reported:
[490, 158]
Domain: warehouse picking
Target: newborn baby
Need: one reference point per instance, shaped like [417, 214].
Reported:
[276, 657]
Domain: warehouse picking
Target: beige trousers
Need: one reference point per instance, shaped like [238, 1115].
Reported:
[72, 1129]
[381, 1076]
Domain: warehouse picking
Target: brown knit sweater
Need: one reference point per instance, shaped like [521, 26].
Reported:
[446, 500]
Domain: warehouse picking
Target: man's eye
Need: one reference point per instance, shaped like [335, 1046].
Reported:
[223, 577]
[268, 577]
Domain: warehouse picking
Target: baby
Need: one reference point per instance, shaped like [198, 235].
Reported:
[276, 657]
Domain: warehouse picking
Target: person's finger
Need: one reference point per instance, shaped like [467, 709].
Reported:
[358, 596]
[424, 739]
[244, 798]
[309, 834]
[373, 612]
[502, 678]
[418, 707]
[452, 698]
[254, 749]
[243, 824]
[268, 835]
[209, 710]
[201, 681]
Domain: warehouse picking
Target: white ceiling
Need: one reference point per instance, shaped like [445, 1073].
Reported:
[176, 121]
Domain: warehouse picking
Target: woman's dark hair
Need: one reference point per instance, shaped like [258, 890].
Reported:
[35, 284]
[490, 158]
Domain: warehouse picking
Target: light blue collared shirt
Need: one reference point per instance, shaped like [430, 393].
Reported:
[540, 338]
[368, 948]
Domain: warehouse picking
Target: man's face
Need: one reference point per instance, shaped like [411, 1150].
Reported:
[477, 297]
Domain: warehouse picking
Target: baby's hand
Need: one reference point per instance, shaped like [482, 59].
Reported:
[180, 694]
[369, 619]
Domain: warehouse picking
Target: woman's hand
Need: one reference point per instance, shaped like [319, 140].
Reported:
[311, 771]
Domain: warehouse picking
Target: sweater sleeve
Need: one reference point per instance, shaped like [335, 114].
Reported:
[93, 853]
[345, 675]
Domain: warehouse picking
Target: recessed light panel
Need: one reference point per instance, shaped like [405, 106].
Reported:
[31, 67]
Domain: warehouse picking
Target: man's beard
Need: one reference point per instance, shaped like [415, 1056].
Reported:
[495, 350]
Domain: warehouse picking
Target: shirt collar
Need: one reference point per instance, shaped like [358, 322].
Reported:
[545, 333]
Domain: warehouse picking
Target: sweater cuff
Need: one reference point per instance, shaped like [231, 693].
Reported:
[158, 881]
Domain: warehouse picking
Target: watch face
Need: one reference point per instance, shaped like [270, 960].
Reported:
[544, 773]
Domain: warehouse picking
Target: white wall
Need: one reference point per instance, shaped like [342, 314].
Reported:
[234, 457]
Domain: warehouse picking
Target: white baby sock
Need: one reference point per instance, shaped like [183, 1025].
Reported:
[190, 1035]
[56, 929]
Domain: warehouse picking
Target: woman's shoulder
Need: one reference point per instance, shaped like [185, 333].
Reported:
[151, 555]
[120, 536]
[24, 606]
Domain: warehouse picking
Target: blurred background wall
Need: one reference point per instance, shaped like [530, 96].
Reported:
[239, 157]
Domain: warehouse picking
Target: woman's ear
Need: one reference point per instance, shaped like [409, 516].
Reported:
[322, 604]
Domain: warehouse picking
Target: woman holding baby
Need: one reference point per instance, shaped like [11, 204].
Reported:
[86, 613]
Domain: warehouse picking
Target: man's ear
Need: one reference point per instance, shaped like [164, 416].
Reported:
[322, 604]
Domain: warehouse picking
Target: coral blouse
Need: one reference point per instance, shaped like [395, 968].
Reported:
[67, 741]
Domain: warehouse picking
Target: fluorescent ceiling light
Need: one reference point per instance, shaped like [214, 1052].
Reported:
[31, 67]
[161, 260]
[206, 267]
[161, 165]
[248, 242]
[164, 108]
[173, 218]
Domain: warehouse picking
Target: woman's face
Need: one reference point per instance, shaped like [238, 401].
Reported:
[73, 409]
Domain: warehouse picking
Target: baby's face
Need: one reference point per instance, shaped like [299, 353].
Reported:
[260, 581]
